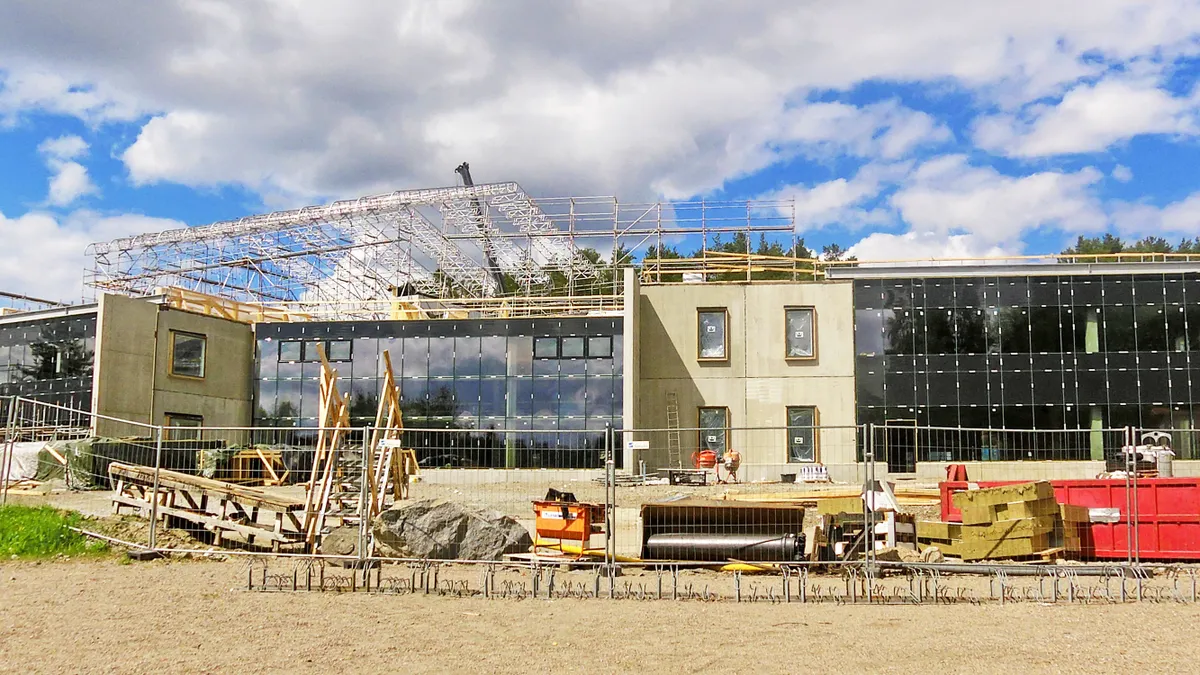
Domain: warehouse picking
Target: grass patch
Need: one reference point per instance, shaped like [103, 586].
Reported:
[43, 532]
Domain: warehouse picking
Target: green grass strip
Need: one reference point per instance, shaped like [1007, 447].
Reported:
[43, 532]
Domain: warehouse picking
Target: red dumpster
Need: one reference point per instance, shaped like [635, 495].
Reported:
[1168, 514]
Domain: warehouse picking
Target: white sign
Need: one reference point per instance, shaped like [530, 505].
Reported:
[638, 445]
[391, 443]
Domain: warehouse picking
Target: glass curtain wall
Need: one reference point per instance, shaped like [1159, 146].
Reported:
[519, 393]
[49, 360]
[1028, 353]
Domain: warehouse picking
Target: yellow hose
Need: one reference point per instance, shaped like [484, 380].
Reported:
[747, 567]
[576, 549]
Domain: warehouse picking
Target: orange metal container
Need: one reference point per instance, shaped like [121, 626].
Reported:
[576, 521]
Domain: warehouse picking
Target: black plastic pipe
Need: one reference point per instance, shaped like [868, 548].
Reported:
[725, 547]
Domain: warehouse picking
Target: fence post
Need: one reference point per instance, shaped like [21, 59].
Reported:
[364, 507]
[158, 449]
[7, 458]
[868, 507]
[610, 506]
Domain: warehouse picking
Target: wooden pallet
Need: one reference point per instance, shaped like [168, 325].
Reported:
[216, 506]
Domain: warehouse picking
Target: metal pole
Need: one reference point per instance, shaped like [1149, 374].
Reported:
[9, 439]
[868, 505]
[610, 505]
[158, 448]
[365, 496]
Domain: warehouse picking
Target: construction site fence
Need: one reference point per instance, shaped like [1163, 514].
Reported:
[642, 481]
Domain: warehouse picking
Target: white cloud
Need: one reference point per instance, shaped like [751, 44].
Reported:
[1122, 173]
[843, 202]
[1181, 218]
[947, 196]
[887, 130]
[63, 148]
[43, 254]
[69, 179]
[956, 210]
[918, 246]
[627, 97]
[1089, 118]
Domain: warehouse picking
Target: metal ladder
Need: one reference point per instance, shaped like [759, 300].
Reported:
[674, 449]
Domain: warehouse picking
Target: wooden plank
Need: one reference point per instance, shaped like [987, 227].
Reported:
[210, 521]
[1005, 494]
[182, 481]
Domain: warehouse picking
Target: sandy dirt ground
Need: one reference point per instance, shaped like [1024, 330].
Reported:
[196, 617]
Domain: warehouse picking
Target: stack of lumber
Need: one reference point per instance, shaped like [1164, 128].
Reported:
[1011, 521]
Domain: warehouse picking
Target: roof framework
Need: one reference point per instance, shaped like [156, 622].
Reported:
[446, 243]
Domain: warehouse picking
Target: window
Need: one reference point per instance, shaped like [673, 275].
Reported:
[187, 354]
[312, 350]
[335, 350]
[713, 339]
[183, 427]
[802, 433]
[714, 429]
[289, 351]
[600, 347]
[545, 348]
[572, 348]
[338, 350]
[801, 338]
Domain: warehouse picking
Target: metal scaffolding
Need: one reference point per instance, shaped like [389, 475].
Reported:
[479, 241]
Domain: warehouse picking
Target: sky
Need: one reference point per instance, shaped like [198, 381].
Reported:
[901, 130]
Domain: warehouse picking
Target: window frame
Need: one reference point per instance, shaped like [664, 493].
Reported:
[557, 347]
[700, 429]
[203, 354]
[168, 424]
[724, 312]
[607, 355]
[801, 308]
[816, 429]
[299, 348]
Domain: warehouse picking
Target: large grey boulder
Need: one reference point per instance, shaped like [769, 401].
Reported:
[443, 530]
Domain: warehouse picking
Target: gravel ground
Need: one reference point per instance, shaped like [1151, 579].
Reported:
[193, 617]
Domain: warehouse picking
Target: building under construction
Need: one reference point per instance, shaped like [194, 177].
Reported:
[691, 326]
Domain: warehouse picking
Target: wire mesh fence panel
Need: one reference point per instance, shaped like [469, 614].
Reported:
[730, 495]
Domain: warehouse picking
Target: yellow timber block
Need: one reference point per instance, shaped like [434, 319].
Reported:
[1010, 529]
[1074, 514]
[1005, 494]
[1009, 548]
[840, 505]
[948, 547]
[985, 514]
[933, 529]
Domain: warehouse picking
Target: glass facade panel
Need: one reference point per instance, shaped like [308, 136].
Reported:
[1041, 354]
[49, 360]
[478, 377]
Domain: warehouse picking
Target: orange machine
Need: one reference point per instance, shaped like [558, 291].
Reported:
[575, 521]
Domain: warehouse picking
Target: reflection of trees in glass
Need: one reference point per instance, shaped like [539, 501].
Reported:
[58, 354]
[970, 331]
[900, 330]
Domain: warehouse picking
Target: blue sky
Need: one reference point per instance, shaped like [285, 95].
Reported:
[936, 129]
